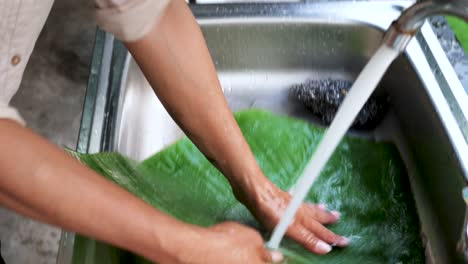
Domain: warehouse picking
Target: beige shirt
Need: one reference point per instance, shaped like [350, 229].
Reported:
[21, 21]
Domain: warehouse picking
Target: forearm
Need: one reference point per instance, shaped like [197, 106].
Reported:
[20, 208]
[176, 62]
[41, 181]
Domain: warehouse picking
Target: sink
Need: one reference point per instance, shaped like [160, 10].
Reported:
[260, 50]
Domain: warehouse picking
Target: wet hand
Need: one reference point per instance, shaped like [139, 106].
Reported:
[228, 243]
[308, 225]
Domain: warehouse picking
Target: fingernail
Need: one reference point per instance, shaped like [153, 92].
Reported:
[323, 247]
[276, 256]
[344, 241]
[335, 214]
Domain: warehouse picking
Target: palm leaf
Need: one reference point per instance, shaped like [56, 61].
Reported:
[364, 180]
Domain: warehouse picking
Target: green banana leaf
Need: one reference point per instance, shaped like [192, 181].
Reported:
[460, 28]
[364, 180]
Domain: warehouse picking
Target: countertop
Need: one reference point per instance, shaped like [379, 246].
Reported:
[455, 53]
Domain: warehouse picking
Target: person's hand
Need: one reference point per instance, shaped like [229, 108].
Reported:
[227, 243]
[308, 229]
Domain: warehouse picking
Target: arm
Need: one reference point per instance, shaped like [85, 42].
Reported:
[43, 182]
[176, 62]
[40, 181]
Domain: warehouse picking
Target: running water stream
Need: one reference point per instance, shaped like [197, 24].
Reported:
[356, 98]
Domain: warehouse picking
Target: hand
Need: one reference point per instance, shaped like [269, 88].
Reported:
[228, 243]
[308, 225]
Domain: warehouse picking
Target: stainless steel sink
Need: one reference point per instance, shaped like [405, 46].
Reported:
[260, 50]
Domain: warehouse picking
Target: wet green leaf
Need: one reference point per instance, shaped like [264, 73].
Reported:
[364, 180]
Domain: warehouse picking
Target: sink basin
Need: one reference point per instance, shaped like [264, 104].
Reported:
[260, 50]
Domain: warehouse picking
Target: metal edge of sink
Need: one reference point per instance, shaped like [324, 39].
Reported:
[110, 60]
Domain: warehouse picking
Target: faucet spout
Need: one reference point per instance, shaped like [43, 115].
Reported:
[399, 35]
[408, 24]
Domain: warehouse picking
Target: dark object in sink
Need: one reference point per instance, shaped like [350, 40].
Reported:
[323, 98]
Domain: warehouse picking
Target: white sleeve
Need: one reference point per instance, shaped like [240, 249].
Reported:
[8, 112]
[129, 20]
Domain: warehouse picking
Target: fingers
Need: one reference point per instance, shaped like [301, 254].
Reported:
[266, 255]
[308, 240]
[271, 256]
[320, 213]
[325, 234]
[276, 257]
[315, 237]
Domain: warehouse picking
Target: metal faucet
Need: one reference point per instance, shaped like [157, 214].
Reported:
[399, 35]
[408, 24]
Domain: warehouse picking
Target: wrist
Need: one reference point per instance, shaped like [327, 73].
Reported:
[177, 244]
[255, 191]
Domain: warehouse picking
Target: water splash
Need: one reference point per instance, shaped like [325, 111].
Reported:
[359, 93]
